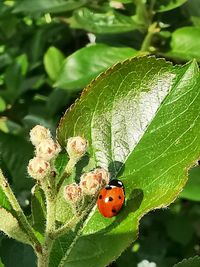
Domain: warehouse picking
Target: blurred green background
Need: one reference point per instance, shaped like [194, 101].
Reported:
[49, 51]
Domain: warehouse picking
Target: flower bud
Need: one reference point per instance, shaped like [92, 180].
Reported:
[72, 192]
[38, 168]
[38, 134]
[76, 147]
[47, 149]
[146, 263]
[91, 182]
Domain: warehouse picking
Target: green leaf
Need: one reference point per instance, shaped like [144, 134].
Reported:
[141, 119]
[191, 190]
[166, 5]
[53, 6]
[15, 254]
[185, 43]
[10, 226]
[191, 8]
[191, 262]
[85, 64]
[53, 60]
[110, 22]
[38, 208]
[2, 104]
[179, 229]
[1, 264]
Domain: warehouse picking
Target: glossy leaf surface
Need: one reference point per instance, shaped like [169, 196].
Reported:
[141, 119]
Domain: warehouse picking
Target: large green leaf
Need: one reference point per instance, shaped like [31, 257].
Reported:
[191, 190]
[110, 22]
[53, 6]
[185, 43]
[85, 64]
[191, 262]
[141, 119]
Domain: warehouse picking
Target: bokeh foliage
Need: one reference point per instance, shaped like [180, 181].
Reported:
[49, 51]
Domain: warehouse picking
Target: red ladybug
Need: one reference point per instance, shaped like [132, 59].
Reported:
[111, 198]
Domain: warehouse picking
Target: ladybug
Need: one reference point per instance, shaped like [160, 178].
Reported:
[111, 198]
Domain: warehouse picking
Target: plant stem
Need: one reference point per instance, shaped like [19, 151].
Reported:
[20, 214]
[148, 38]
[68, 170]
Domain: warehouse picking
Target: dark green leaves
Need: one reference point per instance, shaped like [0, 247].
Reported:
[166, 5]
[84, 65]
[53, 6]
[141, 119]
[191, 262]
[191, 190]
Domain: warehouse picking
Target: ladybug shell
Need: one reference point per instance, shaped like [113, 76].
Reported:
[110, 200]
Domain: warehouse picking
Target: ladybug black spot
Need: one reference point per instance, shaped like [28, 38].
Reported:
[108, 187]
[110, 199]
[114, 211]
[119, 197]
[100, 197]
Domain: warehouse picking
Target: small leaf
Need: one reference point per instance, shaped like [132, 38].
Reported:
[38, 208]
[1, 264]
[43, 6]
[2, 104]
[141, 119]
[110, 22]
[85, 64]
[192, 189]
[10, 226]
[53, 60]
[191, 262]
[185, 43]
[166, 5]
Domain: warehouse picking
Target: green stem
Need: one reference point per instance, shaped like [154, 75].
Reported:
[49, 189]
[148, 38]
[68, 170]
[20, 214]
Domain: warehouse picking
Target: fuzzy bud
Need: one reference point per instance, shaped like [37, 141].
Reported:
[47, 149]
[146, 263]
[38, 168]
[91, 182]
[72, 192]
[38, 134]
[76, 147]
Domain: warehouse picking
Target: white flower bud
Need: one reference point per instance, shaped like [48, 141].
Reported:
[72, 192]
[91, 182]
[47, 149]
[38, 168]
[38, 134]
[76, 147]
[146, 263]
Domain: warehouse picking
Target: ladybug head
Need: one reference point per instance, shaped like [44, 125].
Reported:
[116, 182]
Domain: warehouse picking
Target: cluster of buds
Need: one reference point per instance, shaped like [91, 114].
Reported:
[46, 149]
[90, 184]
